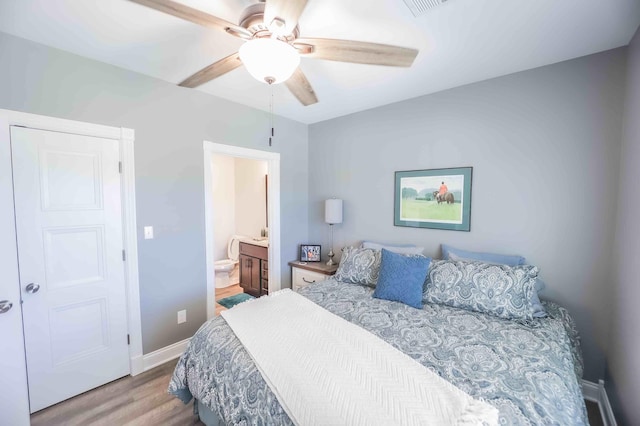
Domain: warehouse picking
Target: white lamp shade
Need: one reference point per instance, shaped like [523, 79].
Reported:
[333, 211]
[267, 58]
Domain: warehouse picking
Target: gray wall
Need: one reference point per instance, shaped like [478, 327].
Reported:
[545, 147]
[623, 378]
[170, 124]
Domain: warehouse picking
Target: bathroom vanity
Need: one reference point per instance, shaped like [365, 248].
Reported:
[254, 268]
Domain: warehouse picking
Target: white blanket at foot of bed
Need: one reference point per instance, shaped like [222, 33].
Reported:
[325, 370]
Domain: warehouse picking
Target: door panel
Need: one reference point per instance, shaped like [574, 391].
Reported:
[70, 180]
[69, 233]
[255, 276]
[78, 330]
[74, 255]
[245, 271]
[250, 275]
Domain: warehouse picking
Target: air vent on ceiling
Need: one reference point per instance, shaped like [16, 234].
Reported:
[420, 7]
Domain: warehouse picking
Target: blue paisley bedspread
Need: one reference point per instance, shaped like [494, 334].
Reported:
[529, 370]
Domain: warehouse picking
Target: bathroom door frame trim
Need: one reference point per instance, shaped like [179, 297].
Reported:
[273, 207]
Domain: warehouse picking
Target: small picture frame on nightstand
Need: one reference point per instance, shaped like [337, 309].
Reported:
[309, 253]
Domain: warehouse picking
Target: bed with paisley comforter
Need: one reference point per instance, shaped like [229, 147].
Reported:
[529, 370]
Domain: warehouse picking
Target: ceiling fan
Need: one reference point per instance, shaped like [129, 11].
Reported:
[273, 45]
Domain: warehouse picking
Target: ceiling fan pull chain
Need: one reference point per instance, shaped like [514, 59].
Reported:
[271, 114]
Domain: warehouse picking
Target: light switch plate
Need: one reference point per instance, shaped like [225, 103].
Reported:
[148, 232]
[182, 316]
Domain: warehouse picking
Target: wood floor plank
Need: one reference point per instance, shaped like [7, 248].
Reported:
[221, 293]
[593, 411]
[139, 400]
[138, 404]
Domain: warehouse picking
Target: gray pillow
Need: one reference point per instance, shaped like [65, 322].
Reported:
[500, 290]
[538, 309]
[359, 266]
[362, 265]
[452, 253]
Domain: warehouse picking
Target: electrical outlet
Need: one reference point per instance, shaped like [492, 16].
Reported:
[148, 232]
[182, 316]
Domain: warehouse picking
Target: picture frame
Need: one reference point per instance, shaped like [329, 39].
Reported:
[310, 252]
[434, 198]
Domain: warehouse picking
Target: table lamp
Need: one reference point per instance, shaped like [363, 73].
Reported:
[332, 216]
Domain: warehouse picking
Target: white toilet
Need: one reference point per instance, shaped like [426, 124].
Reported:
[226, 270]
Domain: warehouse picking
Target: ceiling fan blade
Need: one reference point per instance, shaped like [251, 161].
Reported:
[301, 88]
[194, 15]
[288, 11]
[357, 51]
[212, 71]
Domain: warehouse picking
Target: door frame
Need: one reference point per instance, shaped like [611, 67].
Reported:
[273, 208]
[126, 138]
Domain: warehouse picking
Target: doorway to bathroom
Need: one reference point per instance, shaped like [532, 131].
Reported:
[242, 208]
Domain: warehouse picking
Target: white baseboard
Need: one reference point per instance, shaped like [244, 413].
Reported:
[597, 393]
[159, 357]
[136, 365]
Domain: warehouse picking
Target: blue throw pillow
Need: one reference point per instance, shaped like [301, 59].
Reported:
[401, 278]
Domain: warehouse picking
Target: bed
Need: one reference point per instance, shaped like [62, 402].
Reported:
[529, 370]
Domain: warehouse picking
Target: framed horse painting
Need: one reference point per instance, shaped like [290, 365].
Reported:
[435, 198]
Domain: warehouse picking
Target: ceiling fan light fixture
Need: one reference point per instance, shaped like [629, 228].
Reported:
[269, 60]
[277, 27]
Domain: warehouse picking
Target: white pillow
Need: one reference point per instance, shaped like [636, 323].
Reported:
[396, 248]
[455, 257]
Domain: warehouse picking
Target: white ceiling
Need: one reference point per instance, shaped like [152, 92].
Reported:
[460, 42]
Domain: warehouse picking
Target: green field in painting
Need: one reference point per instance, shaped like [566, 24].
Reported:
[430, 210]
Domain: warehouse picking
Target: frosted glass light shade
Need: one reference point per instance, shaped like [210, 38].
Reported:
[269, 59]
[333, 211]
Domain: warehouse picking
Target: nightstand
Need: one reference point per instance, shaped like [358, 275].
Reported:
[305, 273]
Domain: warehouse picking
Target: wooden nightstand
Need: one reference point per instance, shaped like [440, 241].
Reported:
[305, 273]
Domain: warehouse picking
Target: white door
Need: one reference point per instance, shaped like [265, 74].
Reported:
[69, 233]
[14, 406]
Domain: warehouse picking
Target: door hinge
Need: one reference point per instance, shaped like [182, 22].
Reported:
[128, 339]
[120, 167]
[124, 256]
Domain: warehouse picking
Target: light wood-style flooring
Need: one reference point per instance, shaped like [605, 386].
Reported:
[139, 400]
[221, 293]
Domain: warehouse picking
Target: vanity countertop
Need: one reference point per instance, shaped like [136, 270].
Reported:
[262, 242]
